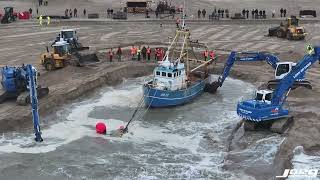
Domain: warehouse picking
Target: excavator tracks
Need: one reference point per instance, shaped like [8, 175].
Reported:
[274, 83]
[24, 98]
[277, 126]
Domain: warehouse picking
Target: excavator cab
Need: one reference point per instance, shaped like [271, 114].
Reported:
[264, 96]
[293, 21]
[69, 34]
[61, 48]
[283, 68]
[58, 58]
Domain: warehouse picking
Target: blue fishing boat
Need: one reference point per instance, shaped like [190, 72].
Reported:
[173, 83]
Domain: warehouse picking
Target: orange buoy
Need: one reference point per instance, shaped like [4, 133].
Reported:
[101, 128]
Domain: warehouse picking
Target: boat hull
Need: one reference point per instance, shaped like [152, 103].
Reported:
[156, 98]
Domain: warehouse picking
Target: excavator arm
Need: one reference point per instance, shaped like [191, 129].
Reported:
[288, 81]
[31, 74]
[272, 60]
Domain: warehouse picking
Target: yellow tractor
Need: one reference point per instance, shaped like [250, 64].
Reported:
[59, 57]
[291, 30]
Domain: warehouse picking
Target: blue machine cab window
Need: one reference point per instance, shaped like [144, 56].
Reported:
[282, 69]
[259, 97]
[268, 97]
[164, 74]
[169, 75]
[158, 73]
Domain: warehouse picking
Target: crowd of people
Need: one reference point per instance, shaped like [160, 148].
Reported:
[74, 13]
[139, 53]
[255, 13]
[109, 13]
[43, 3]
[145, 54]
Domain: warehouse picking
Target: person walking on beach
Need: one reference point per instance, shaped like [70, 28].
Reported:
[110, 55]
[119, 53]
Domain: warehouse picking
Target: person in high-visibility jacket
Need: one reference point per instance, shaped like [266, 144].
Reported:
[48, 20]
[139, 53]
[206, 54]
[133, 52]
[178, 22]
[40, 20]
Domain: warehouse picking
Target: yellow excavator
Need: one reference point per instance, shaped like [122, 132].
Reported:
[59, 56]
[290, 30]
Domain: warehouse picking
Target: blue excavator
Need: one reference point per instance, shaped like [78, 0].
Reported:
[268, 108]
[21, 83]
[281, 69]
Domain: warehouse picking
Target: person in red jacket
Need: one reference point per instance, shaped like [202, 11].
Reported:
[110, 53]
[156, 54]
[212, 54]
[148, 53]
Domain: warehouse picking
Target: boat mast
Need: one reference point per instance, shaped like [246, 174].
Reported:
[186, 35]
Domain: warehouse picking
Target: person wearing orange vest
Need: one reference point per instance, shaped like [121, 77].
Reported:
[177, 22]
[212, 54]
[205, 54]
[110, 55]
[161, 54]
[133, 52]
[156, 54]
[148, 53]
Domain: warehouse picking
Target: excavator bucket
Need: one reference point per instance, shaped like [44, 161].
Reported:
[212, 88]
[84, 58]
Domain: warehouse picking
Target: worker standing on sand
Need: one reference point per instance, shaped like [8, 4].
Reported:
[30, 12]
[206, 54]
[119, 53]
[40, 20]
[144, 53]
[178, 22]
[48, 20]
[133, 52]
[84, 12]
[75, 12]
[110, 55]
[139, 53]
[212, 55]
[148, 53]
